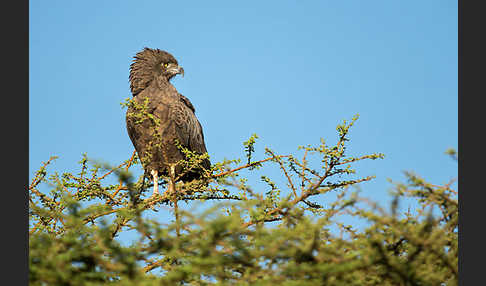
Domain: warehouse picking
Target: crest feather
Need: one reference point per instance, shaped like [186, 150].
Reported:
[145, 67]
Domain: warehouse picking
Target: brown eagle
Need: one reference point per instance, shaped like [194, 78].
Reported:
[159, 118]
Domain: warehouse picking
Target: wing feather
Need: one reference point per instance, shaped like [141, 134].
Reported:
[171, 117]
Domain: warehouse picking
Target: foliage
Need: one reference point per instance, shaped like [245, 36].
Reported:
[251, 237]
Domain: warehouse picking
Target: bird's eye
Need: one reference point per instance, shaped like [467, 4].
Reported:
[166, 65]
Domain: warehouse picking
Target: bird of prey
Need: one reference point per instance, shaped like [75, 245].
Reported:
[160, 118]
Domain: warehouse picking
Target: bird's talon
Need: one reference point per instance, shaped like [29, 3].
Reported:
[154, 196]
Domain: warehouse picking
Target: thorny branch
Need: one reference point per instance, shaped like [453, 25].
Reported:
[119, 199]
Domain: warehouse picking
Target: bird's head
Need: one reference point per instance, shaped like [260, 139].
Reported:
[150, 64]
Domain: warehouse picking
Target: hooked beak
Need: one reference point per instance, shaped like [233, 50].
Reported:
[175, 69]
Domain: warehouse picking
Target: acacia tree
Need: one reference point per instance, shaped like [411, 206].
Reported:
[251, 236]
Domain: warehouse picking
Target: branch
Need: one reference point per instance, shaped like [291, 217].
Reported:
[246, 166]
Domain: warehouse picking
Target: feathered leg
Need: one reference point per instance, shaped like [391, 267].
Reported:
[155, 175]
[171, 188]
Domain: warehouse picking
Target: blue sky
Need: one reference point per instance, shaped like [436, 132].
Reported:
[288, 71]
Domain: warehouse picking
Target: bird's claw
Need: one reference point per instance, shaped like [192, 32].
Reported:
[154, 196]
[151, 200]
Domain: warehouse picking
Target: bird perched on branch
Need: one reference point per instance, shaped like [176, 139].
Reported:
[159, 118]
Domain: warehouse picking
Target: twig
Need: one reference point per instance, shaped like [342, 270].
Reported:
[40, 175]
[119, 166]
[176, 213]
[246, 166]
[126, 169]
[282, 167]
